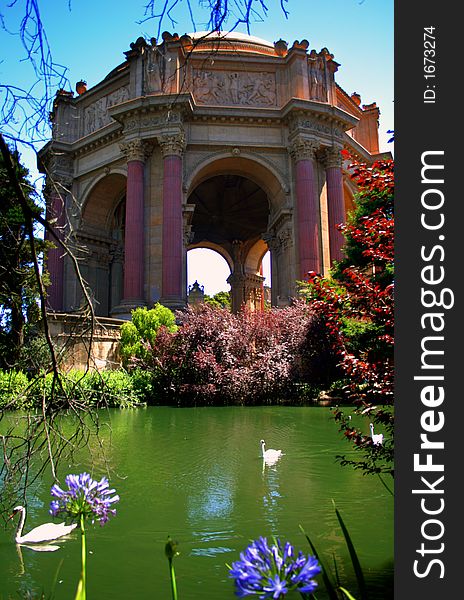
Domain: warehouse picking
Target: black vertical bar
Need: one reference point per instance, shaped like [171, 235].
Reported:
[429, 253]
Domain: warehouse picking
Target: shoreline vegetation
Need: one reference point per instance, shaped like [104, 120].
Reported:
[123, 389]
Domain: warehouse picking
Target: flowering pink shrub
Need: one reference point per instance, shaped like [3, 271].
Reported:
[216, 357]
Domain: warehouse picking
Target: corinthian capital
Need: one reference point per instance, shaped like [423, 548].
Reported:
[172, 144]
[332, 157]
[136, 150]
[302, 149]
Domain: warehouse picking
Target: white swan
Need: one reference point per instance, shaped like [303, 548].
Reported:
[377, 438]
[42, 533]
[269, 456]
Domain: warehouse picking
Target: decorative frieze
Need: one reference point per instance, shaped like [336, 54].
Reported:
[234, 88]
[155, 120]
[141, 123]
[314, 126]
[96, 114]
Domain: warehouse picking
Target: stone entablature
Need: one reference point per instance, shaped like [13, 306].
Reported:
[132, 153]
[167, 68]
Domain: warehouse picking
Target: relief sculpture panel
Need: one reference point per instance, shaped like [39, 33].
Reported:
[96, 115]
[234, 88]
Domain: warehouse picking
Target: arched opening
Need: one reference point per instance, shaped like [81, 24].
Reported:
[116, 266]
[209, 269]
[265, 271]
[101, 233]
[231, 214]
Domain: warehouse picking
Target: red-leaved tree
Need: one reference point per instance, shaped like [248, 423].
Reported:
[216, 357]
[357, 305]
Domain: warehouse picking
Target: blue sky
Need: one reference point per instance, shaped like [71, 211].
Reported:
[89, 38]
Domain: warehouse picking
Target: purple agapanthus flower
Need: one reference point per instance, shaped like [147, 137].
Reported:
[271, 571]
[85, 498]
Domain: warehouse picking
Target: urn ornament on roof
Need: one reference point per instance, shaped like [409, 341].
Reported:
[81, 87]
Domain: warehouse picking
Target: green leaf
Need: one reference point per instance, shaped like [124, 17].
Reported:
[354, 557]
[347, 593]
[325, 573]
[80, 593]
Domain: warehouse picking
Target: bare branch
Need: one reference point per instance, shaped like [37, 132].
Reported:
[24, 112]
[213, 15]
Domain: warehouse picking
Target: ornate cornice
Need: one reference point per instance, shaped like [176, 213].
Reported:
[136, 150]
[172, 144]
[303, 149]
[58, 166]
[98, 139]
[57, 185]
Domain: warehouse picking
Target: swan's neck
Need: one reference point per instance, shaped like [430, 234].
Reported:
[372, 429]
[20, 527]
[263, 450]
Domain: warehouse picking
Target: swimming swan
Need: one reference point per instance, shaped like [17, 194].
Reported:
[42, 533]
[269, 455]
[377, 438]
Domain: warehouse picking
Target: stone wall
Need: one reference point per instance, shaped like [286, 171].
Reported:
[78, 349]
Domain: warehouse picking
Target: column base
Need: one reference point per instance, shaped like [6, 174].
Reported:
[125, 308]
[173, 303]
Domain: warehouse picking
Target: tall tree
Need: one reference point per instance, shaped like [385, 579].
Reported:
[18, 282]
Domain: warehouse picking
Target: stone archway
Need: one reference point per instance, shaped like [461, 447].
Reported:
[231, 213]
[102, 232]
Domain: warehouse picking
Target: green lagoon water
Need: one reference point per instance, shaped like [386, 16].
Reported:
[196, 474]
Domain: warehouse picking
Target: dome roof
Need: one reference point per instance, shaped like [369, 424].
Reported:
[231, 40]
[230, 36]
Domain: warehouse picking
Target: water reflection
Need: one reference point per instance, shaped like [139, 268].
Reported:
[272, 496]
[212, 500]
[196, 474]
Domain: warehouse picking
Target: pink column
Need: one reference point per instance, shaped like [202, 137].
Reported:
[307, 208]
[55, 258]
[134, 251]
[335, 203]
[172, 147]
[134, 234]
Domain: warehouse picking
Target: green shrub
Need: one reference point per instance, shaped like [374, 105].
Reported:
[90, 388]
[35, 355]
[141, 332]
[145, 386]
[114, 388]
[13, 390]
[361, 334]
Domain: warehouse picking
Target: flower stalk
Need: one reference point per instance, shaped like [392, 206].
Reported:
[81, 593]
[171, 551]
[84, 499]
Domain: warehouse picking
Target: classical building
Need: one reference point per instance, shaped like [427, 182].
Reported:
[227, 142]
